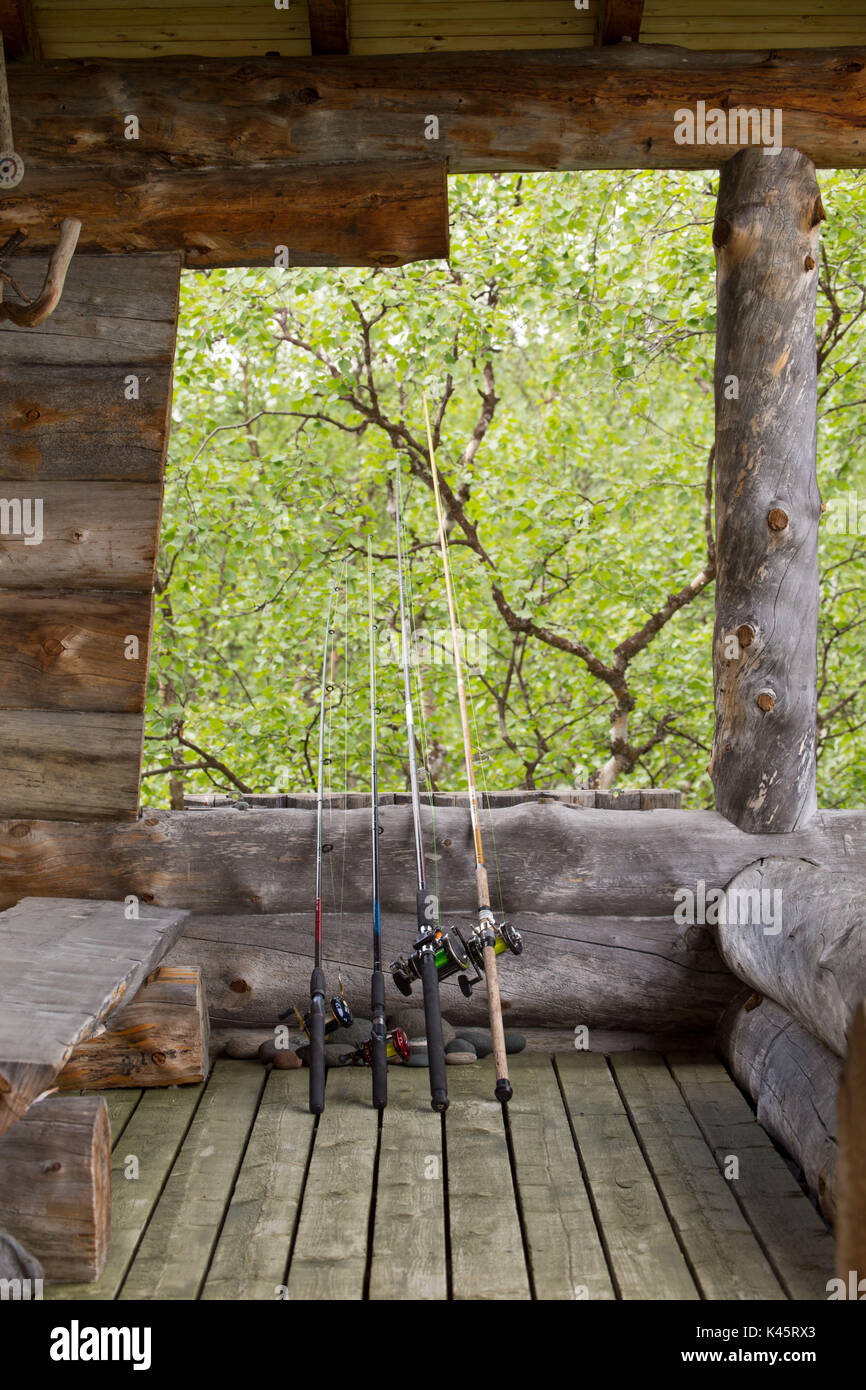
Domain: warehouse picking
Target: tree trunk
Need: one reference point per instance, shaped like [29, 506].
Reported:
[767, 500]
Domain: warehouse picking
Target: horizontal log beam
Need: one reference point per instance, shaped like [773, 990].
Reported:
[556, 859]
[592, 108]
[365, 215]
[74, 651]
[640, 974]
[793, 1080]
[794, 931]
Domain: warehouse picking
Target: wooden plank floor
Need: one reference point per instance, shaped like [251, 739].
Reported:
[607, 1178]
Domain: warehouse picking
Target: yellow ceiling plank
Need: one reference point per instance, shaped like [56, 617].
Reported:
[200, 48]
[503, 24]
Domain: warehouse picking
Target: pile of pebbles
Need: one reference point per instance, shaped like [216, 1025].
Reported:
[463, 1045]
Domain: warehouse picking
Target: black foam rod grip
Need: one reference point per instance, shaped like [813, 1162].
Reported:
[317, 1042]
[433, 1023]
[378, 1050]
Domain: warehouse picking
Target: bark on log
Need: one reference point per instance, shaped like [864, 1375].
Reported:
[160, 1038]
[767, 500]
[591, 108]
[797, 933]
[640, 974]
[55, 1186]
[793, 1080]
[557, 859]
[381, 214]
[851, 1181]
[64, 966]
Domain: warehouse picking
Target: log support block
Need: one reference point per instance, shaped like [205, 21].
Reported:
[851, 1184]
[159, 1039]
[55, 1186]
[767, 500]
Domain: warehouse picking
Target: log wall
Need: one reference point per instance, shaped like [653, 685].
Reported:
[80, 438]
[594, 891]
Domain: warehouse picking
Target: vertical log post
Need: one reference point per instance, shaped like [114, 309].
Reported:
[767, 500]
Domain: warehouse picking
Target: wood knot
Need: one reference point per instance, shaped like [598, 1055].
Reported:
[385, 258]
[307, 95]
[20, 830]
[239, 987]
[32, 415]
[447, 844]
[767, 700]
[745, 635]
[777, 519]
[753, 1001]
[818, 213]
[54, 1167]
[159, 1059]
[721, 232]
[808, 264]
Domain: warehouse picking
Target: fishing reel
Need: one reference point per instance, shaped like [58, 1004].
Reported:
[450, 954]
[396, 1045]
[339, 1015]
[506, 938]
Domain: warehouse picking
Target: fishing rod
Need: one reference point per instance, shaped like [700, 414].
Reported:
[432, 950]
[487, 940]
[316, 1024]
[377, 1048]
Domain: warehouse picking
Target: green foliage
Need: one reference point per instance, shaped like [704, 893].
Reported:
[591, 297]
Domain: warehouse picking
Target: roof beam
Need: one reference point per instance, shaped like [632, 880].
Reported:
[329, 25]
[366, 215]
[619, 20]
[18, 27]
[590, 108]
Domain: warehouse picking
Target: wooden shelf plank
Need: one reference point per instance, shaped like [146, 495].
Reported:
[65, 964]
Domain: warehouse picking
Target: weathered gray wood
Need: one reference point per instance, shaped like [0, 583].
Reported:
[408, 1256]
[121, 1107]
[618, 800]
[114, 310]
[725, 1258]
[330, 1255]
[487, 1258]
[639, 973]
[793, 1080]
[143, 1156]
[66, 764]
[851, 1168]
[797, 1242]
[174, 1255]
[65, 964]
[68, 651]
[767, 500]
[160, 1038]
[55, 1185]
[376, 214]
[95, 535]
[551, 858]
[77, 421]
[252, 1253]
[645, 1259]
[583, 108]
[565, 1250]
[797, 933]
